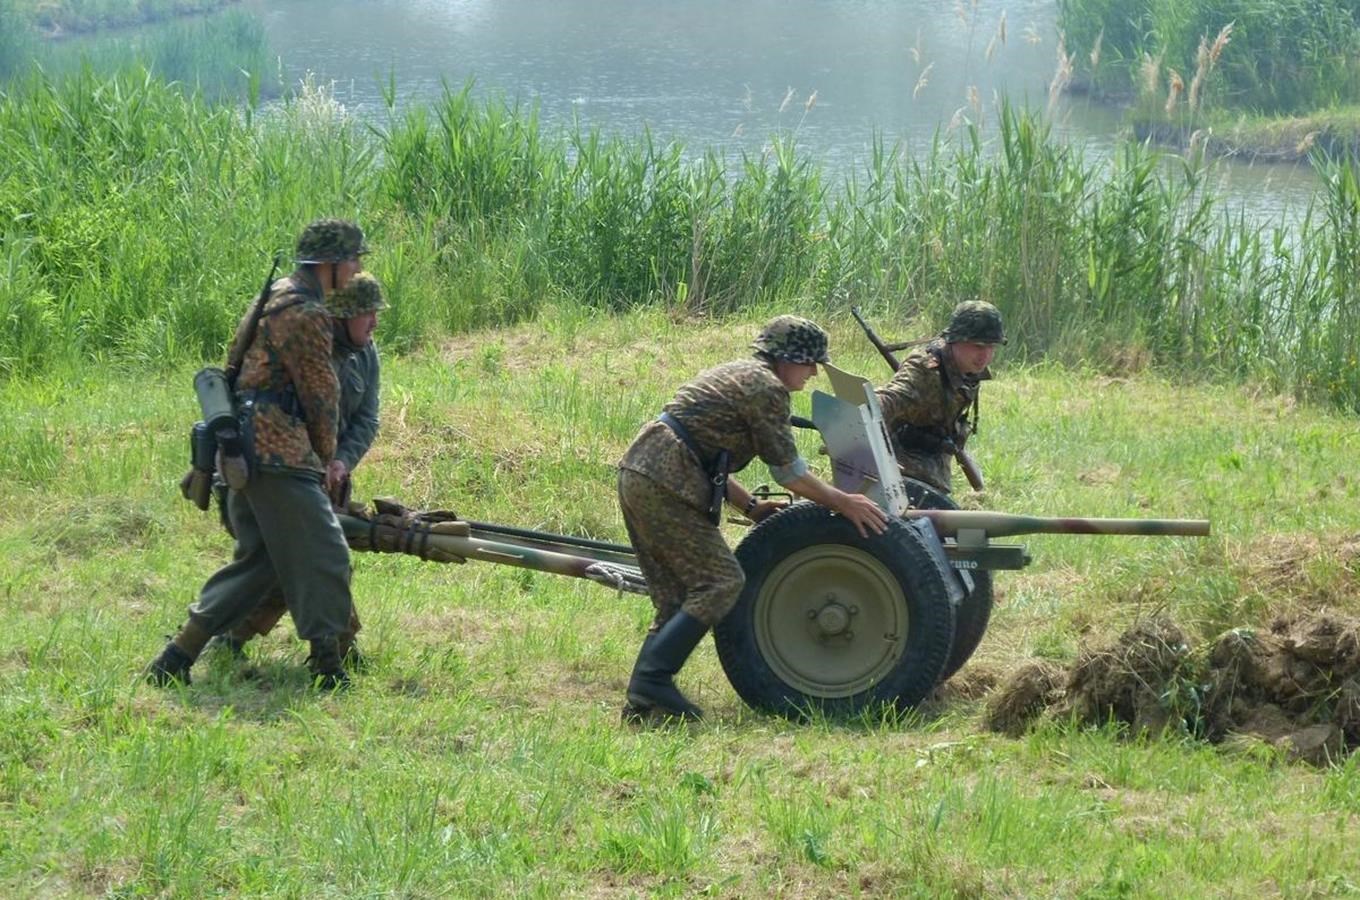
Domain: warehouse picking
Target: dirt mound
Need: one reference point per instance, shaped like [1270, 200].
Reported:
[1295, 686]
[1030, 690]
[1126, 681]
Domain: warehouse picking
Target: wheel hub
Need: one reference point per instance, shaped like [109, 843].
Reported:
[831, 620]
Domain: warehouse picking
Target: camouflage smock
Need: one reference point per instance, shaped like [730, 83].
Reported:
[930, 393]
[292, 348]
[357, 369]
[741, 407]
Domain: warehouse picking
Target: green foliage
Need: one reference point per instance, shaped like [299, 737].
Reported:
[223, 57]
[1282, 57]
[129, 239]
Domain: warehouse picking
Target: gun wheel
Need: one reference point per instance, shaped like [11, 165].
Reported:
[976, 609]
[833, 622]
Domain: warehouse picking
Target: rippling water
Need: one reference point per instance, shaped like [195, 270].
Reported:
[727, 75]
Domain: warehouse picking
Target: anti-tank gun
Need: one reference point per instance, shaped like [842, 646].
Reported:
[828, 620]
[832, 621]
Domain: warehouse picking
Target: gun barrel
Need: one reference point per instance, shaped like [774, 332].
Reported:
[948, 523]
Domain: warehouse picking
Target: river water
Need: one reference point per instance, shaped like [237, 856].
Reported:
[728, 75]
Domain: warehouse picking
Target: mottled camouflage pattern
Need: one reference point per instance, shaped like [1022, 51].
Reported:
[929, 392]
[793, 339]
[361, 294]
[682, 554]
[357, 369]
[330, 240]
[739, 406]
[293, 347]
[975, 321]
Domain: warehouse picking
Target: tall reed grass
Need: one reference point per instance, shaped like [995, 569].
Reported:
[1285, 57]
[226, 57]
[139, 219]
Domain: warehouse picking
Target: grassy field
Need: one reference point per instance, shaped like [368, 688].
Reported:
[481, 755]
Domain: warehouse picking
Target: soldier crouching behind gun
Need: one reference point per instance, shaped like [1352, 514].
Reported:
[355, 309]
[927, 404]
[287, 536]
[673, 481]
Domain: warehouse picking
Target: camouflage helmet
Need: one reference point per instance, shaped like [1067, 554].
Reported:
[793, 339]
[330, 241]
[975, 321]
[361, 294]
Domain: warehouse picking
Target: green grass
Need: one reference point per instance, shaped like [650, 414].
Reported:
[481, 755]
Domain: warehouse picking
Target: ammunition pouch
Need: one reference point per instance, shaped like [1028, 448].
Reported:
[196, 485]
[922, 440]
[715, 470]
[217, 444]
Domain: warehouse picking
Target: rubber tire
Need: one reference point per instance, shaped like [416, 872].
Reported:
[975, 611]
[929, 615]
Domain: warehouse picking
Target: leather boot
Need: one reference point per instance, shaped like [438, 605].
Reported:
[328, 673]
[651, 689]
[174, 662]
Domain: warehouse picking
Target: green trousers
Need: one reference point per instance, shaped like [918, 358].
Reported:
[287, 539]
[681, 552]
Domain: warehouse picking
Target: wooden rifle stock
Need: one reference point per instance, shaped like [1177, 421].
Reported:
[967, 464]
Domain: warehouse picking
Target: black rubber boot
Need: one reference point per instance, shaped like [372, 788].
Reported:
[328, 673]
[171, 667]
[174, 662]
[651, 689]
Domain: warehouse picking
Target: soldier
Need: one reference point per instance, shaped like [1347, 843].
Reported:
[287, 536]
[672, 483]
[355, 309]
[926, 405]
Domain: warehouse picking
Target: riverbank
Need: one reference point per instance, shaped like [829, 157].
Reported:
[1293, 139]
[1262, 81]
[67, 18]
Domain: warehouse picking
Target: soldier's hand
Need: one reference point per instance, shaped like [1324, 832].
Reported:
[863, 513]
[336, 473]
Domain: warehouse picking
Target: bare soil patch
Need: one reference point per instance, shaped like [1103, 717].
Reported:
[1294, 685]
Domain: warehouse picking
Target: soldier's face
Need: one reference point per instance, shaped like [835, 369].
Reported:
[345, 270]
[972, 358]
[360, 328]
[794, 375]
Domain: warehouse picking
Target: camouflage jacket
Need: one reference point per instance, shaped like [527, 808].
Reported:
[357, 369]
[930, 397]
[740, 407]
[287, 371]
